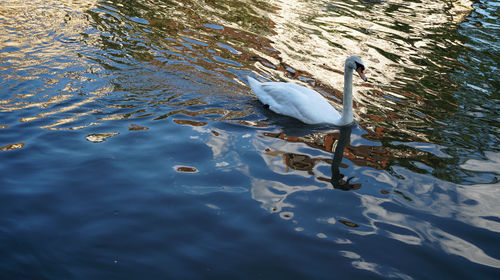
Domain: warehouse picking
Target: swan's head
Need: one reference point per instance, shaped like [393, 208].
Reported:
[355, 63]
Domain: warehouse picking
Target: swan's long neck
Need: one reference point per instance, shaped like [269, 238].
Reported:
[347, 116]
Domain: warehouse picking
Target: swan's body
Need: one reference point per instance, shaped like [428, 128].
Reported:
[305, 104]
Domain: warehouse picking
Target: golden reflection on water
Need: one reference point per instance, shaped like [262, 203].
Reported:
[303, 40]
[185, 169]
[376, 157]
[282, 40]
[349, 224]
[27, 24]
[296, 161]
[43, 36]
[316, 37]
[190, 122]
[12, 147]
[135, 127]
[100, 137]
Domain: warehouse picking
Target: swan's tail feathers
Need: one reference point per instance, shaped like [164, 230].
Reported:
[261, 94]
[254, 84]
[256, 88]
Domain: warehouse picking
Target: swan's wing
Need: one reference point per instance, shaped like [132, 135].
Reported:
[276, 94]
[285, 100]
[283, 93]
[298, 102]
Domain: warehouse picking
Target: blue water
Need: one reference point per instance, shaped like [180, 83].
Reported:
[131, 146]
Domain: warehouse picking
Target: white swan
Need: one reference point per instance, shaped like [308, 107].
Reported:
[308, 105]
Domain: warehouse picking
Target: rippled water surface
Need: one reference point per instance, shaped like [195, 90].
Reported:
[131, 146]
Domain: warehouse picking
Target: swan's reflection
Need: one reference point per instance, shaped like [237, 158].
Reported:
[335, 142]
[273, 194]
[337, 179]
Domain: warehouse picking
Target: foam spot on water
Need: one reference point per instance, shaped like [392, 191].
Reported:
[321, 235]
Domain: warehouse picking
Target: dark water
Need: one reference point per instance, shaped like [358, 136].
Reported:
[132, 148]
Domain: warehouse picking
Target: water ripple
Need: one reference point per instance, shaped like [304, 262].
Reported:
[127, 129]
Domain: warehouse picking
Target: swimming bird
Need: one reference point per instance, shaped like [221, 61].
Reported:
[305, 104]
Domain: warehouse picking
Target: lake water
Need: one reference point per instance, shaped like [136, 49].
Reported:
[131, 146]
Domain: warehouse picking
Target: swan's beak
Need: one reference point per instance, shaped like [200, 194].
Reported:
[361, 74]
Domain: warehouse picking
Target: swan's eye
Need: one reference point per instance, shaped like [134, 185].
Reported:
[360, 65]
